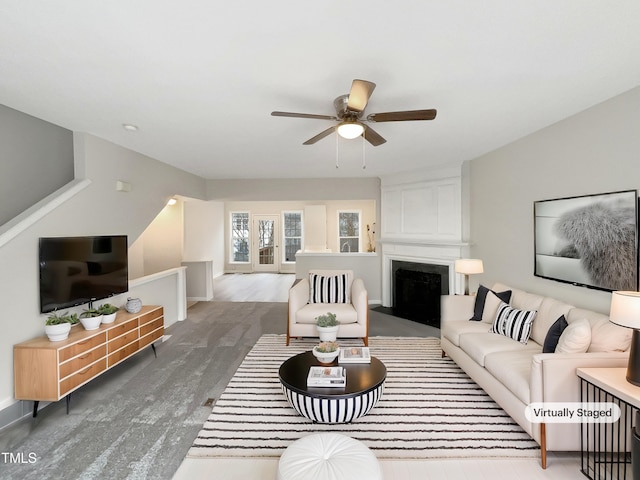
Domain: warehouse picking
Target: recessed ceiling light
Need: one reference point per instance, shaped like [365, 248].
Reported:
[129, 128]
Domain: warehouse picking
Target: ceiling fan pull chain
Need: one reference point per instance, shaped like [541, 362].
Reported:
[337, 151]
[364, 161]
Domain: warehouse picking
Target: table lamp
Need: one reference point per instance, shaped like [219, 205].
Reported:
[625, 311]
[468, 266]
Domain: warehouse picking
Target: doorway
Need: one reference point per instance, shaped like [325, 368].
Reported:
[266, 243]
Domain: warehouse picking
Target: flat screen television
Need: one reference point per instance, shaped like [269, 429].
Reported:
[589, 241]
[79, 270]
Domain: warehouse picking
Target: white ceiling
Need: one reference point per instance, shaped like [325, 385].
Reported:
[200, 78]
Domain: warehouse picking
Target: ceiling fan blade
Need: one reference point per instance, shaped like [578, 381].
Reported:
[403, 116]
[303, 115]
[373, 137]
[320, 136]
[359, 95]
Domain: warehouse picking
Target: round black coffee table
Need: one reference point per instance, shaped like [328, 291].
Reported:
[365, 382]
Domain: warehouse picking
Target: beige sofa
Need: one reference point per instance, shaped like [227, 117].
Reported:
[353, 315]
[516, 374]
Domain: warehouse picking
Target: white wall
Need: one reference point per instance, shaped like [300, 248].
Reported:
[97, 209]
[204, 233]
[163, 239]
[595, 151]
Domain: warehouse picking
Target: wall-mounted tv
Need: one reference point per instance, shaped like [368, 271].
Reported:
[590, 241]
[79, 270]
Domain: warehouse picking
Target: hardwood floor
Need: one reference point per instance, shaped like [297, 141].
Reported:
[252, 287]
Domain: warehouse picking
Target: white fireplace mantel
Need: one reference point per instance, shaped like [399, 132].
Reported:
[421, 251]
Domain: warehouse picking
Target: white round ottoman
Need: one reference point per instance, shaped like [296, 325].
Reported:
[328, 456]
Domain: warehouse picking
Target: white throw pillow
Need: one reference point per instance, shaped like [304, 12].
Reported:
[491, 304]
[576, 338]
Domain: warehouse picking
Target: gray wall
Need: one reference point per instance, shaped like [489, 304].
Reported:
[36, 159]
[96, 209]
[595, 151]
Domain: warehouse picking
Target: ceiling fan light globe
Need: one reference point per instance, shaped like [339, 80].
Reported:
[350, 130]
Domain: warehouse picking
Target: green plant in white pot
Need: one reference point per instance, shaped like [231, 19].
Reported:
[108, 312]
[58, 326]
[91, 319]
[327, 326]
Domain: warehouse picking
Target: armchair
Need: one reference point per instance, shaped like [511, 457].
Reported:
[352, 312]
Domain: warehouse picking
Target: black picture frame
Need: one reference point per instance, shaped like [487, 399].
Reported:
[589, 241]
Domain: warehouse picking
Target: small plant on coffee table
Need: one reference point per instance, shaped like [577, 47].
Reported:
[327, 347]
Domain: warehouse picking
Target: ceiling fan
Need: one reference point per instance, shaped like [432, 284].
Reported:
[350, 112]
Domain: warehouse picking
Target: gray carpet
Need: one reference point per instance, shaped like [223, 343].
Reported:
[429, 409]
[139, 420]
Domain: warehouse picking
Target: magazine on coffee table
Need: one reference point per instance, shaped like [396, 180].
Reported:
[327, 377]
[354, 355]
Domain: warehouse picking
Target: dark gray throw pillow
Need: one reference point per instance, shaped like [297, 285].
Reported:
[553, 335]
[481, 297]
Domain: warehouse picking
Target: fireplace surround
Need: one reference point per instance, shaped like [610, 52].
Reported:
[430, 258]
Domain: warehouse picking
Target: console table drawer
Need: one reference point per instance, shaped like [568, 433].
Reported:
[81, 377]
[79, 363]
[152, 337]
[148, 317]
[81, 347]
[125, 339]
[150, 327]
[124, 328]
[123, 353]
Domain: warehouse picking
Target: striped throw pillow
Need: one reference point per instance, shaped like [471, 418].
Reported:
[324, 289]
[513, 323]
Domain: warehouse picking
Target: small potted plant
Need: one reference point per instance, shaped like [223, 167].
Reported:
[91, 319]
[73, 319]
[108, 312]
[327, 326]
[58, 326]
[326, 352]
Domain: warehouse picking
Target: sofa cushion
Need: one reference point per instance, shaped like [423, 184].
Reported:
[548, 313]
[608, 337]
[345, 313]
[328, 288]
[513, 323]
[487, 302]
[575, 338]
[513, 370]
[452, 330]
[521, 299]
[479, 345]
[553, 335]
[605, 336]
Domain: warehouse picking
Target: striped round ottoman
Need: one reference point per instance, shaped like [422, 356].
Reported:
[328, 456]
[365, 384]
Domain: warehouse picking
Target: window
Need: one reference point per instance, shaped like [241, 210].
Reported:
[349, 231]
[292, 235]
[240, 237]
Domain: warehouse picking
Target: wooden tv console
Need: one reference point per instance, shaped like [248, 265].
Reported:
[46, 370]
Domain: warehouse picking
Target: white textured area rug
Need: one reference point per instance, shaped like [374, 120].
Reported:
[429, 409]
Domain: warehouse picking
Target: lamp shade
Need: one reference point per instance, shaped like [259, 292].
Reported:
[350, 130]
[468, 266]
[625, 309]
